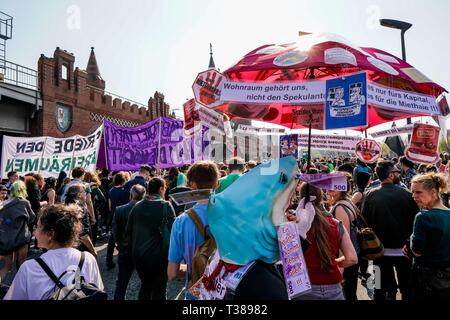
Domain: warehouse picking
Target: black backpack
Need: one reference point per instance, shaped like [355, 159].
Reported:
[78, 289]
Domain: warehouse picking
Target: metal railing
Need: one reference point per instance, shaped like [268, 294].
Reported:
[18, 75]
[6, 22]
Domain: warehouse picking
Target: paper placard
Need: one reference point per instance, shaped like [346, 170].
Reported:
[327, 181]
[294, 265]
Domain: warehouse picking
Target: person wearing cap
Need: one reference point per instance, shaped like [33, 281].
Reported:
[390, 210]
[236, 167]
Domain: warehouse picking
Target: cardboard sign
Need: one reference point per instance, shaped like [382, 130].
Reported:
[182, 198]
[191, 117]
[346, 102]
[207, 88]
[294, 265]
[368, 150]
[326, 181]
[423, 146]
[289, 145]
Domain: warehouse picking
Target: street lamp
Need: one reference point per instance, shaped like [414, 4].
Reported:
[403, 26]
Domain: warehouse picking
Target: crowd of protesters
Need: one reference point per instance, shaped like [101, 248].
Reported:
[405, 203]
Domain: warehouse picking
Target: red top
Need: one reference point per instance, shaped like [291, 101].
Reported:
[316, 275]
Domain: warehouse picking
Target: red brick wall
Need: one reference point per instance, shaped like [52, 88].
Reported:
[83, 99]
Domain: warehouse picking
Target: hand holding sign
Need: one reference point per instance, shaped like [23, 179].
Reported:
[305, 216]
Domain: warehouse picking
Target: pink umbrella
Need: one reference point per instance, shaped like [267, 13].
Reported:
[322, 56]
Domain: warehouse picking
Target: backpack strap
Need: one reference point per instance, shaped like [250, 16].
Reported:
[347, 208]
[197, 221]
[49, 272]
[80, 264]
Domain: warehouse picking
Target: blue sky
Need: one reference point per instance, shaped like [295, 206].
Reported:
[144, 46]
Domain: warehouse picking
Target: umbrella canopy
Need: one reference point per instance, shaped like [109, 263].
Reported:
[323, 56]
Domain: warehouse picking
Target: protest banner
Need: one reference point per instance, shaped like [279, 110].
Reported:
[330, 142]
[49, 156]
[394, 131]
[345, 99]
[159, 143]
[245, 129]
[423, 146]
[399, 100]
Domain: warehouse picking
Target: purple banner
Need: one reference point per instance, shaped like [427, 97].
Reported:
[129, 148]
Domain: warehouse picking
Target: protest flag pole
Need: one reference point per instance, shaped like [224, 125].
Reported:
[308, 165]
[104, 147]
[73, 156]
[42, 154]
[159, 147]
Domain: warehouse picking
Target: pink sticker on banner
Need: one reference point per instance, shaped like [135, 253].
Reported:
[368, 150]
[294, 265]
[423, 146]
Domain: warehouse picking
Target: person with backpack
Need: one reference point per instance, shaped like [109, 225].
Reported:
[390, 211]
[98, 200]
[16, 216]
[57, 231]
[185, 237]
[344, 210]
[148, 243]
[327, 238]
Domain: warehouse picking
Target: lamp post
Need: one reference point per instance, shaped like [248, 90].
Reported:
[403, 26]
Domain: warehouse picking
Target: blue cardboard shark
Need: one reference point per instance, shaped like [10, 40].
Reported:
[242, 218]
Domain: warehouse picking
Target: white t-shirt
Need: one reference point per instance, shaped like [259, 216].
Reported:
[32, 283]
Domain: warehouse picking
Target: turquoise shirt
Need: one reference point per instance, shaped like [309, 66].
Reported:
[431, 236]
[226, 181]
[181, 180]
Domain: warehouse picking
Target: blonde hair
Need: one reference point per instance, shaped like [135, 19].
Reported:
[18, 190]
[432, 181]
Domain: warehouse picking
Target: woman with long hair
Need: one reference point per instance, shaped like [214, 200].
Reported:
[76, 194]
[343, 209]
[98, 199]
[430, 241]
[49, 193]
[15, 215]
[327, 238]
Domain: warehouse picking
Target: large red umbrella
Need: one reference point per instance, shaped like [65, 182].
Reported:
[322, 56]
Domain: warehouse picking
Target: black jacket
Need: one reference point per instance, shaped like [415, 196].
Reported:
[390, 211]
[144, 237]
[119, 224]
